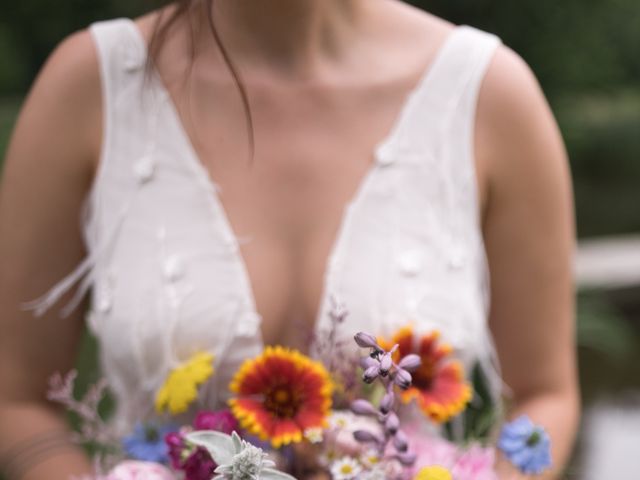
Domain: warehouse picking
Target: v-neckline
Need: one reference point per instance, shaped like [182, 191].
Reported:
[207, 182]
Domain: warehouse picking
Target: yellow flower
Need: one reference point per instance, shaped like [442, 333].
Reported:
[180, 388]
[433, 473]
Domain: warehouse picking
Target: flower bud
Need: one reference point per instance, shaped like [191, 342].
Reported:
[364, 436]
[386, 404]
[366, 340]
[392, 423]
[385, 364]
[410, 362]
[402, 378]
[367, 362]
[406, 458]
[370, 374]
[363, 407]
[400, 441]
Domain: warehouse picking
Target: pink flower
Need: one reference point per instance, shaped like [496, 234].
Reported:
[220, 421]
[431, 450]
[476, 463]
[134, 470]
[473, 463]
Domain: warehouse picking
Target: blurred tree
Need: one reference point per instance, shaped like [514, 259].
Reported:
[573, 45]
[34, 27]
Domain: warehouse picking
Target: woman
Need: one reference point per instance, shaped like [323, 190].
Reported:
[437, 138]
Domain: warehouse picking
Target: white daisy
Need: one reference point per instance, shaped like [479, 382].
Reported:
[370, 459]
[339, 420]
[347, 468]
[314, 435]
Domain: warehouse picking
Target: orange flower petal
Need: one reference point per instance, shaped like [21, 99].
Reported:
[281, 393]
[439, 386]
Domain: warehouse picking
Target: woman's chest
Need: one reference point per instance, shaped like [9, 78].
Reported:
[181, 271]
[285, 200]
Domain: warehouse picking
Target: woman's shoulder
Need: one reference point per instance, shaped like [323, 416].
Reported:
[73, 67]
[71, 83]
[68, 91]
[512, 110]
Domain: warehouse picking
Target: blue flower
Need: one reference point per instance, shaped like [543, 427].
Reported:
[147, 443]
[526, 445]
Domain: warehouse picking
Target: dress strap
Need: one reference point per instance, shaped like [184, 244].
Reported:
[460, 66]
[121, 53]
[450, 85]
[121, 57]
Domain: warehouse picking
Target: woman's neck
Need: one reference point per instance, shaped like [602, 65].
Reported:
[288, 34]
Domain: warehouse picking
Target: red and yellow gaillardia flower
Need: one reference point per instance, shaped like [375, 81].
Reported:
[439, 386]
[281, 394]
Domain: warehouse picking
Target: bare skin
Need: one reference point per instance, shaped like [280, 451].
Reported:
[324, 90]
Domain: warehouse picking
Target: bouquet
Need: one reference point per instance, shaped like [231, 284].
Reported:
[284, 408]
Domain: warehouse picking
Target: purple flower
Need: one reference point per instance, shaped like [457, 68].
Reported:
[176, 445]
[220, 421]
[385, 364]
[402, 378]
[379, 365]
[526, 445]
[366, 340]
[363, 407]
[365, 436]
[410, 362]
[146, 443]
[370, 374]
[195, 462]
[199, 465]
[400, 441]
[392, 424]
[387, 402]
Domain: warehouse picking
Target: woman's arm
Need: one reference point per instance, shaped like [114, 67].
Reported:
[48, 170]
[529, 235]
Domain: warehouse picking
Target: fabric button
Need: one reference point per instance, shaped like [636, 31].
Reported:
[144, 169]
[103, 305]
[385, 159]
[134, 59]
[173, 268]
[132, 65]
[410, 262]
[248, 324]
[103, 300]
[457, 258]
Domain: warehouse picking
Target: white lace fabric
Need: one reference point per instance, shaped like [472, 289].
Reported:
[166, 275]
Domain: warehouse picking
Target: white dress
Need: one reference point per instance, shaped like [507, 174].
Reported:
[165, 271]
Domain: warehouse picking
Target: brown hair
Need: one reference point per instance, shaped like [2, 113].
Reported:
[188, 8]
